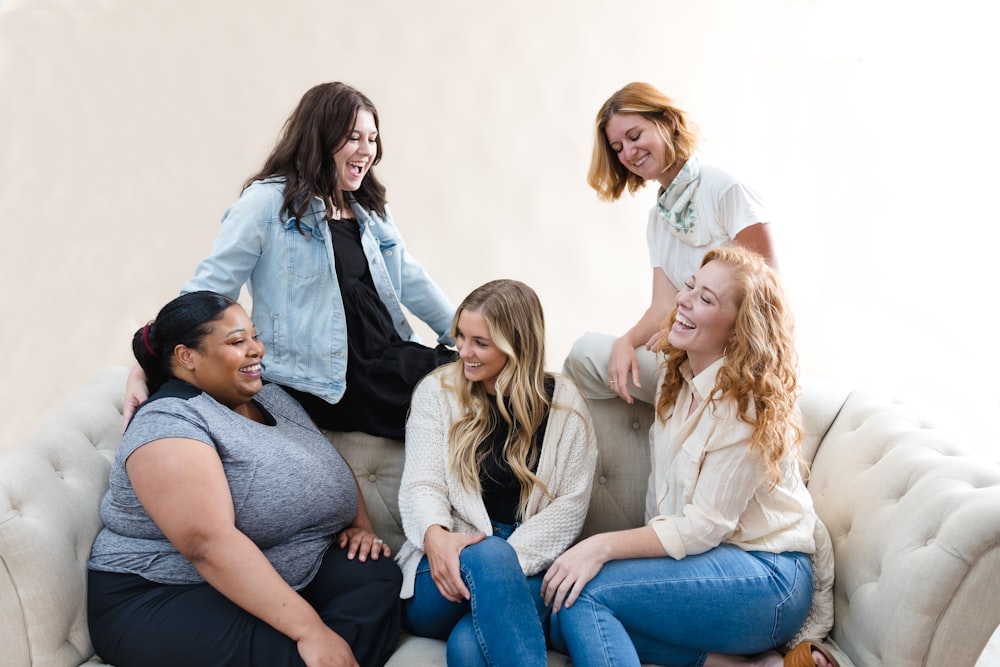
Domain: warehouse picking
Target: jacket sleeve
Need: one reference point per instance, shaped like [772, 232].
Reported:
[238, 246]
[556, 524]
[420, 294]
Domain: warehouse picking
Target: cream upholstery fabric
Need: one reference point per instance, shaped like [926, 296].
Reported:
[915, 525]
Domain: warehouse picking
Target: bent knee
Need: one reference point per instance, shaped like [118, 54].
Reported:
[491, 552]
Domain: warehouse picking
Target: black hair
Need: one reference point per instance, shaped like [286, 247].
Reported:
[185, 320]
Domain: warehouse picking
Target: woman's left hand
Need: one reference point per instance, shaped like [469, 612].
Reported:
[362, 542]
[570, 572]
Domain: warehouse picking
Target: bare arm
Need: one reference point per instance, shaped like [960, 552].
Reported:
[758, 238]
[182, 485]
[581, 563]
[136, 393]
[624, 364]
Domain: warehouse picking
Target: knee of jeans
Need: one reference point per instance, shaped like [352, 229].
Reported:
[492, 552]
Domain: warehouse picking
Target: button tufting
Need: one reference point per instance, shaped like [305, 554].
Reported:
[602, 480]
[372, 477]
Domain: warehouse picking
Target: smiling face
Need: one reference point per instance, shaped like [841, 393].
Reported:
[706, 315]
[639, 144]
[226, 365]
[355, 157]
[481, 358]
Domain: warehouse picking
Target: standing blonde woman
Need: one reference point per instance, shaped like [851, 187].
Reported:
[500, 461]
[721, 574]
[643, 135]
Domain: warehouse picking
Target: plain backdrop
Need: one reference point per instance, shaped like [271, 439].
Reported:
[127, 127]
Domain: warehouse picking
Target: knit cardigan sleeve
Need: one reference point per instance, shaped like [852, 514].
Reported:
[569, 458]
[424, 493]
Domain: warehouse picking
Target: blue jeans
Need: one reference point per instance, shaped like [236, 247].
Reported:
[676, 612]
[502, 625]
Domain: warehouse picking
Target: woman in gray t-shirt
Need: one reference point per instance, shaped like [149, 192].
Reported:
[234, 532]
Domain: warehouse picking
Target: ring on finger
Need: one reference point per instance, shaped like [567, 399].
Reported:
[377, 540]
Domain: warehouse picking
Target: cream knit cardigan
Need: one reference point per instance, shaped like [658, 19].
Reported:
[430, 492]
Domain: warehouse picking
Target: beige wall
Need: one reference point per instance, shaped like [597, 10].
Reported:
[869, 126]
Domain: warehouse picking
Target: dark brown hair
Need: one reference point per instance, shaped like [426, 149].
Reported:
[303, 155]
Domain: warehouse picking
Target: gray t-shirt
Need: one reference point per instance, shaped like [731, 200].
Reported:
[292, 491]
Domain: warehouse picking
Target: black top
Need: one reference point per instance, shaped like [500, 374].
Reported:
[382, 368]
[500, 487]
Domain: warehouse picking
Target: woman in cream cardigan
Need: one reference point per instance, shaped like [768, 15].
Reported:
[500, 460]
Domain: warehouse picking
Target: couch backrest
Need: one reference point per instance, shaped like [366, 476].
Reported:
[622, 430]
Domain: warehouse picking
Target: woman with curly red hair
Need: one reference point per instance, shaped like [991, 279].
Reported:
[721, 574]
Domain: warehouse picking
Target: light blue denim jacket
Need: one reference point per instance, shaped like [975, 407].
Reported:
[297, 306]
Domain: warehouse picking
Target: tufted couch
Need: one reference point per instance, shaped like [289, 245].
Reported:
[915, 525]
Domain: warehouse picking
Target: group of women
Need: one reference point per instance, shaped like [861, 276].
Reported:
[235, 535]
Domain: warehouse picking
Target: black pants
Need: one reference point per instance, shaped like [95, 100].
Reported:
[138, 623]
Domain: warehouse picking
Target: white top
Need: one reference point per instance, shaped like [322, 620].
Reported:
[430, 492]
[724, 207]
[707, 488]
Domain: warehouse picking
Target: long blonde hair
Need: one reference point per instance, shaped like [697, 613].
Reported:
[607, 175]
[513, 315]
[761, 362]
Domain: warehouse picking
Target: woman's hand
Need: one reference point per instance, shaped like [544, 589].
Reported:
[325, 648]
[136, 393]
[569, 573]
[654, 341]
[363, 542]
[622, 366]
[442, 548]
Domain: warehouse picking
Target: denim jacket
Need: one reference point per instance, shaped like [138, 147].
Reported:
[291, 277]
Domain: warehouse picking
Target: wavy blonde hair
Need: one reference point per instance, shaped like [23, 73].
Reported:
[607, 175]
[761, 362]
[516, 324]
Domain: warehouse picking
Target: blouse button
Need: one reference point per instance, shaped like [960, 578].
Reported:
[388, 253]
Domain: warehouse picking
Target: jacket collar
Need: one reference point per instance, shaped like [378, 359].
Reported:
[312, 220]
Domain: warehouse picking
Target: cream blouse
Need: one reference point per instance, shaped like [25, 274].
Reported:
[707, 488]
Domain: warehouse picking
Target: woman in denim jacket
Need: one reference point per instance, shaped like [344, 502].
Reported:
[328, 271]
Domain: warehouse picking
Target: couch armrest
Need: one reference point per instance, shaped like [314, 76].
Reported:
[915, 525]
[50, 490]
